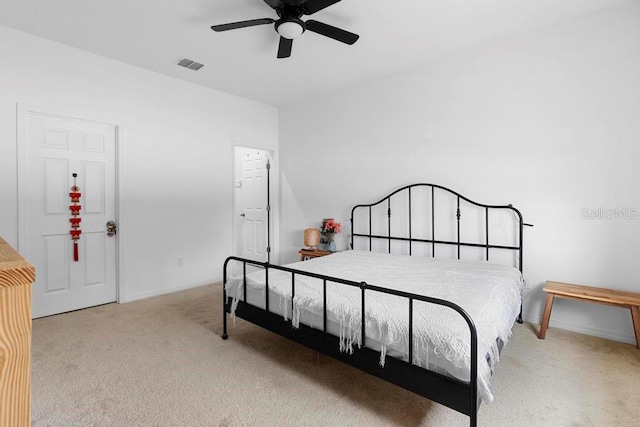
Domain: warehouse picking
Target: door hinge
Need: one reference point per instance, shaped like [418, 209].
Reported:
[268, 249]
[268, 165]
[268, 208]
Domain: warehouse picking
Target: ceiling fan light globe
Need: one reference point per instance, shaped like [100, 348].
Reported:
[290, 29]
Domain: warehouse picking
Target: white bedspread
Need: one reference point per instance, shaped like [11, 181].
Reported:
[489, 293]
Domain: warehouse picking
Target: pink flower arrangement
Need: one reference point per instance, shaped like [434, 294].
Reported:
[331, 226]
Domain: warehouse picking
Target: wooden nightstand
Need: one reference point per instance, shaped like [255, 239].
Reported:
[306, 254]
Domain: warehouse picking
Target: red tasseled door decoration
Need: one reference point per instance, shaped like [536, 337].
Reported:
[75, 216]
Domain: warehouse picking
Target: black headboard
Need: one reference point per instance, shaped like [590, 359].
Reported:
[435, 221]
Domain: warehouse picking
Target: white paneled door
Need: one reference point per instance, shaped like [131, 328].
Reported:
[56, 148]
[253, 203]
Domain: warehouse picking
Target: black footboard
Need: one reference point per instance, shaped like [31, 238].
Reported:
[458, 395]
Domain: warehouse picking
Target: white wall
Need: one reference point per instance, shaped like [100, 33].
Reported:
[176, 154]
[547, 121]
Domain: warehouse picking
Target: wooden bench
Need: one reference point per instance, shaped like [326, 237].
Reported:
[623, 299]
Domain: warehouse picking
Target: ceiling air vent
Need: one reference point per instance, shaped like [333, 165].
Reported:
[190, 64]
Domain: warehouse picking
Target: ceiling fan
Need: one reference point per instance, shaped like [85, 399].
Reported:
[290, 26]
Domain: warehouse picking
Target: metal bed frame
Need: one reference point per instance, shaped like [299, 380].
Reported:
[461, 396]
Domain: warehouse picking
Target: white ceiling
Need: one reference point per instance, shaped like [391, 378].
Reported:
[394, 35]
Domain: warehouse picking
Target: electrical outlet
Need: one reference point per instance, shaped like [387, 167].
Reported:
[180, 261]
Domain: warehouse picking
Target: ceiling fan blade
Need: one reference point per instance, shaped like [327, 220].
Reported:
[273, 3]
[242, 24]
[331, 32]
[312, 6]
[284, 48]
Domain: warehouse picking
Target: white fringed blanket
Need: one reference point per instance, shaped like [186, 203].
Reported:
[489, 293]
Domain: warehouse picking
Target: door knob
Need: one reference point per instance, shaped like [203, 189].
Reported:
[111, 228]
[242, 215]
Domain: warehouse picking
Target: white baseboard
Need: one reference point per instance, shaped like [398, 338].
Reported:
[596, 332]
[155, 293]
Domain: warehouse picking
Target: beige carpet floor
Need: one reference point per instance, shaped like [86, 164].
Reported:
[161, 362]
